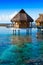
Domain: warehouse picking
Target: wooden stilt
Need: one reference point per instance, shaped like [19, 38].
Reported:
[18, 32]
[15, 31]
[13, 27]
[27, 31]
[31, 24]
[31, 31]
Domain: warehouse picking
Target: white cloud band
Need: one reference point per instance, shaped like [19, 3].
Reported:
[7, 17]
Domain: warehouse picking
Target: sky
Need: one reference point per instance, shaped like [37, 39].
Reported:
[9, 8]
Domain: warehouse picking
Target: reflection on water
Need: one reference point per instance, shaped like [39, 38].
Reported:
[23, 49]
[40, 34]
[19, 40]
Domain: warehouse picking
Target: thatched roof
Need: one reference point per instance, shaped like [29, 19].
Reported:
[22, 16]
[40, 18]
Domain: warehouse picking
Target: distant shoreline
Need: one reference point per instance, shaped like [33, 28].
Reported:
[4, 24]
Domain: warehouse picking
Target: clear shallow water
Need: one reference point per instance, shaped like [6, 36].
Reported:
[22, 49]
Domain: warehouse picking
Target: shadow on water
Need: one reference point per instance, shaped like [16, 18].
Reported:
[24, 49]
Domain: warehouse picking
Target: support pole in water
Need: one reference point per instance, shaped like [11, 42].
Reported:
[13, 28]
[27, 31]
[15, 32]
[31, 24]
[18, 31]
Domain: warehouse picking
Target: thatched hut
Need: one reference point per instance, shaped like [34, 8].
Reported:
[22, 20]
[39, 21]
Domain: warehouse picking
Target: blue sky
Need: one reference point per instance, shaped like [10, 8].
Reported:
[18, 4]
[8, 8]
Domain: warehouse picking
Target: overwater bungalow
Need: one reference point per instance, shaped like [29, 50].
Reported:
[39, 21]
[22, 20]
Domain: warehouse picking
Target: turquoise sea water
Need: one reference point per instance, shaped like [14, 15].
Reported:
[21, 49]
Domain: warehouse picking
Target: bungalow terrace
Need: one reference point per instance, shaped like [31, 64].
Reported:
[22, 20]
[39, 21]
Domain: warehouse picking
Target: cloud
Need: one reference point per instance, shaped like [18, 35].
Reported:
[5, 17]
[12, 15]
